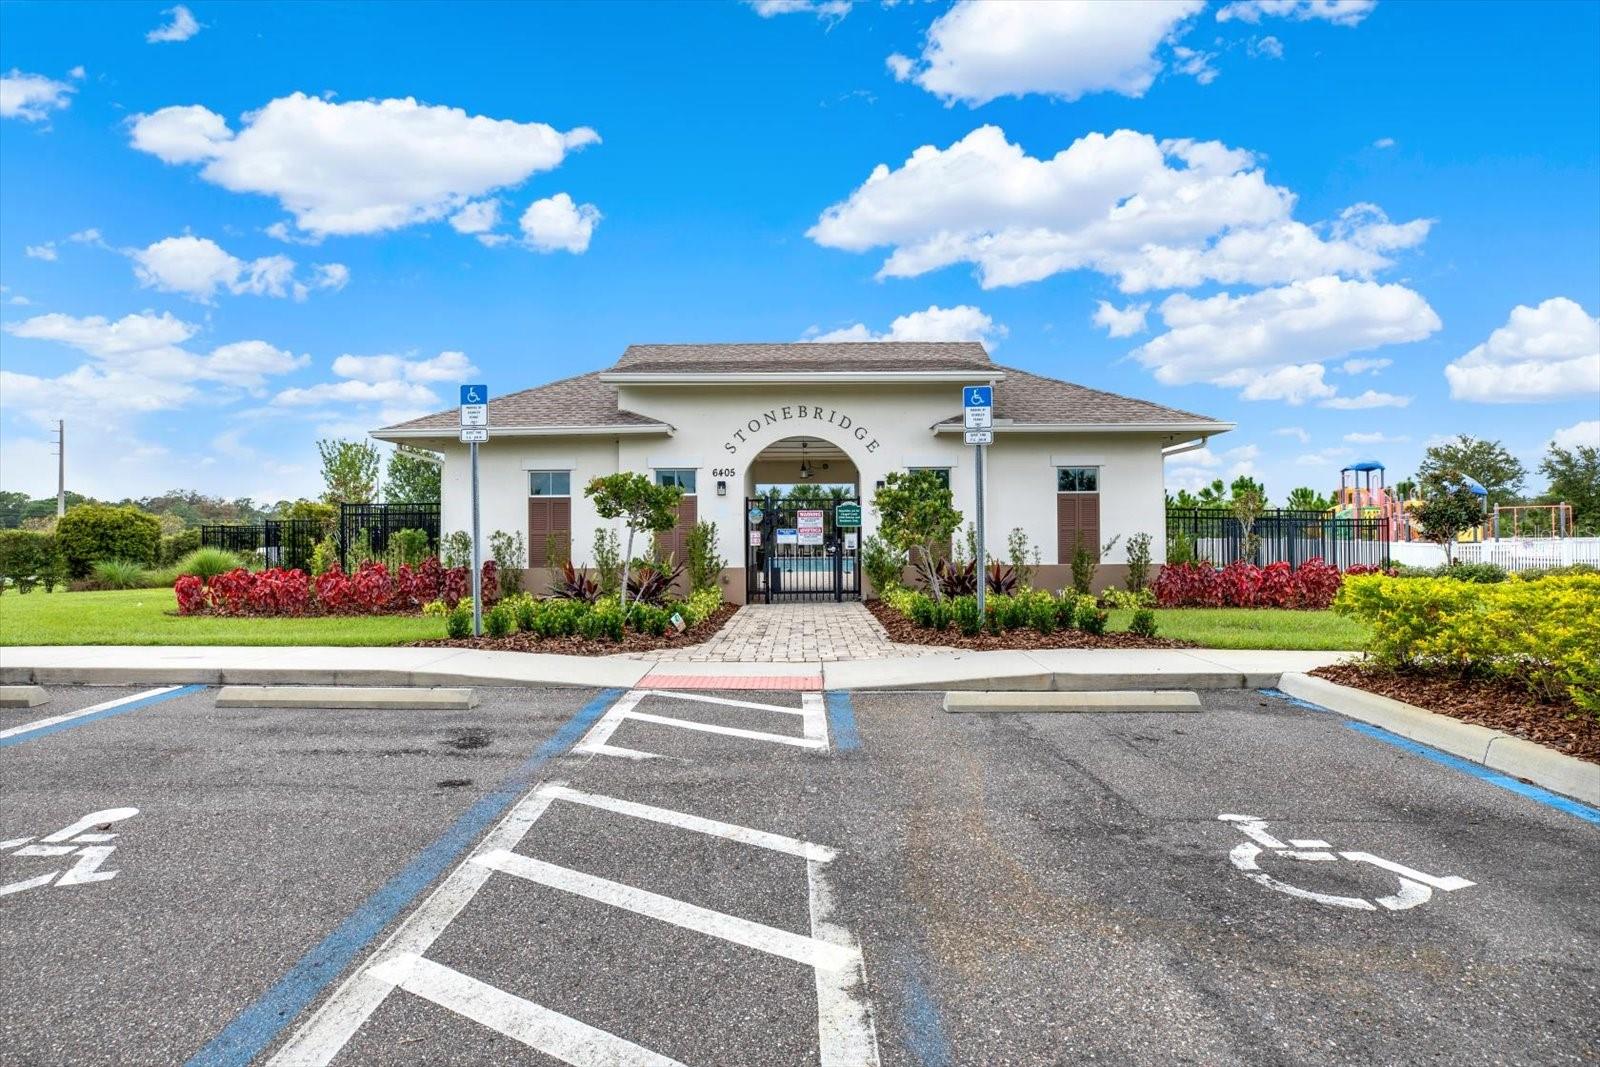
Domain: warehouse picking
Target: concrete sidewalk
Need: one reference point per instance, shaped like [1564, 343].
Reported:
[1051, 669]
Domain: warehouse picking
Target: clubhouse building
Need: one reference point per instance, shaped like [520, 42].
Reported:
[744, 429]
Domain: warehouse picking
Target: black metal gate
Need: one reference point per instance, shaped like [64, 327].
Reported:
[800, 550]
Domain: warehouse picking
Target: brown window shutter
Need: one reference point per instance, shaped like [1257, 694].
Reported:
[546, 516]
[673, 541]
[1077, 516]
[1089, 521]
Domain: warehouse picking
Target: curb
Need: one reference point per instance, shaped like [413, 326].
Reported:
[380, 698]
[1495, 749]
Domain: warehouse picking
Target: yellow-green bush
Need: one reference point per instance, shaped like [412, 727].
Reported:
[1544, 633]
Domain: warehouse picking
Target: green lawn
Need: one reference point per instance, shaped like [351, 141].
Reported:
[148, 617]
[1254, 627]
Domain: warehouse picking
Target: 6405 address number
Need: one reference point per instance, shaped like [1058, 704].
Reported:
[723, 472]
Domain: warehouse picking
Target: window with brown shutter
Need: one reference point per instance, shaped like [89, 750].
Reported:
[676, 540]
[1077, 511]
[549, 517]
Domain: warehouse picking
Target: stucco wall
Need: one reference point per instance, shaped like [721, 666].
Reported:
[879, 427]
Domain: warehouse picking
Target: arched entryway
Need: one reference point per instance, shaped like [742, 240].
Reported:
[803, 513]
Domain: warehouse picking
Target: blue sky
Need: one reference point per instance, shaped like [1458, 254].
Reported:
[278, 222]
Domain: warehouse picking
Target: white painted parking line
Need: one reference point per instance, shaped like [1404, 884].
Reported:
[56, 720]
[91, 849]
[814, 723]
[744, 932]
[532, 1024]
[846, 1033]
[711, 827]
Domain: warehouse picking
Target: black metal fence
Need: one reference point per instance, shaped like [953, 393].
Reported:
[798, 550]
[274, 542]
[379, 522]
[290, 542]
[1216, 536]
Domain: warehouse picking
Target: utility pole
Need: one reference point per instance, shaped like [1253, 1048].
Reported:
[61, 467]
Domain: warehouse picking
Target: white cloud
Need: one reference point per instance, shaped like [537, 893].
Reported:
[1384, 142]
[136, 363]
[1120, 322]
[1327, 457]
[1194, 63]
[46, 251]
[828, 10]
[360, 167]
[31, 97]
[1226, 339]
[1297, 432]
[352, 391]
[1369, 399]
[1193, 470]
[556, 224]
[960, 323]
[480, 216]
[1293, 384]
[198, 268]
[1365, 366]
[1377, 437]
[445, 367]
[182, 26]
[1584, 434]
[1551, 352]
[1268, 46]
[978, 51]
[1339, 12]
[1153, 214]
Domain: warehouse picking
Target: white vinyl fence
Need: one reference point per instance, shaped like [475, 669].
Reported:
[1514, 555]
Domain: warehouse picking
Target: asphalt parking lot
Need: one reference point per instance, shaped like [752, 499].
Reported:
[774, 878]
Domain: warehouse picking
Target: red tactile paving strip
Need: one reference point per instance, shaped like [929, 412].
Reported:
[725, 681]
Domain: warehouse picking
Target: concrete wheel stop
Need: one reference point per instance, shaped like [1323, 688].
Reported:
[1121, 700]
[335, 697]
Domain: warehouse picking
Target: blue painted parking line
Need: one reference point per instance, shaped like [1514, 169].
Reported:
[924, 1031]
[1534, 793]
[32, 731]
[260, 1024]
[842, 721]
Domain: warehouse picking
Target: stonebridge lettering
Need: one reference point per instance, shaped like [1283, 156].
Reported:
[795, 413]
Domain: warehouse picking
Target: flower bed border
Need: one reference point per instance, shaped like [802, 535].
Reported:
[577, 645]
[906, 632]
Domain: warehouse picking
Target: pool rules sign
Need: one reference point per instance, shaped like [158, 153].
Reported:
[474, 432]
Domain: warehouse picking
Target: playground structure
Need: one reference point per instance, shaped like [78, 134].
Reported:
[1359, 498]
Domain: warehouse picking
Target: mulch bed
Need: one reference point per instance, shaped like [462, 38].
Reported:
[1495, 703]
[583, 646]
[905, 631]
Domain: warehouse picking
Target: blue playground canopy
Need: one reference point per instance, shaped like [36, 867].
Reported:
[1365, 465]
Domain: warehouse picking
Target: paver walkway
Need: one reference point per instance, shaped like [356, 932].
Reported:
[793, 633]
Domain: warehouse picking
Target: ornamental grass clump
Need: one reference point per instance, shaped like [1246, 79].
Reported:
[1543, 634]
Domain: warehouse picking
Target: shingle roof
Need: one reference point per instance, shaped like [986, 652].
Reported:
[581, 401]
[863, 356]
[1024, 397]
[1020, 396]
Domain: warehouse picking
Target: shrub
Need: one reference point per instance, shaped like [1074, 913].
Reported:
[510, 552]
[325, 556]
[1243, 585]
[602, 621]
[500, 622]
[1540, 633]
[575, 583]
[607, 560]
[1092, 620]
[458, 623]
[920, 610]
[117, 574]
[1122, 598]
[174, 547]
[1138, 575]
[701, 605]
[408, 547]
[704, 563]
[1042, 614]
[1085, 561]
[455, 550]
[26, 556]
[964, 613]
[1023, 559]
[191, 594]
[526, 610]
[957, 578]
[1180, 549]
[883, 563]
[206, 563]
[1144, 623]
[651, 583]
[88, 533]
[435, 609]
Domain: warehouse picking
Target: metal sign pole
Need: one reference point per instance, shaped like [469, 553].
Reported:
[477, 552]
[983, 573]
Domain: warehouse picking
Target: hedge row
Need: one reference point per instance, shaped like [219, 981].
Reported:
[1543, 633]
[371, 590]
[1311, 585]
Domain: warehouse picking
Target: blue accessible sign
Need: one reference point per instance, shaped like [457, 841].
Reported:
[977, 396]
